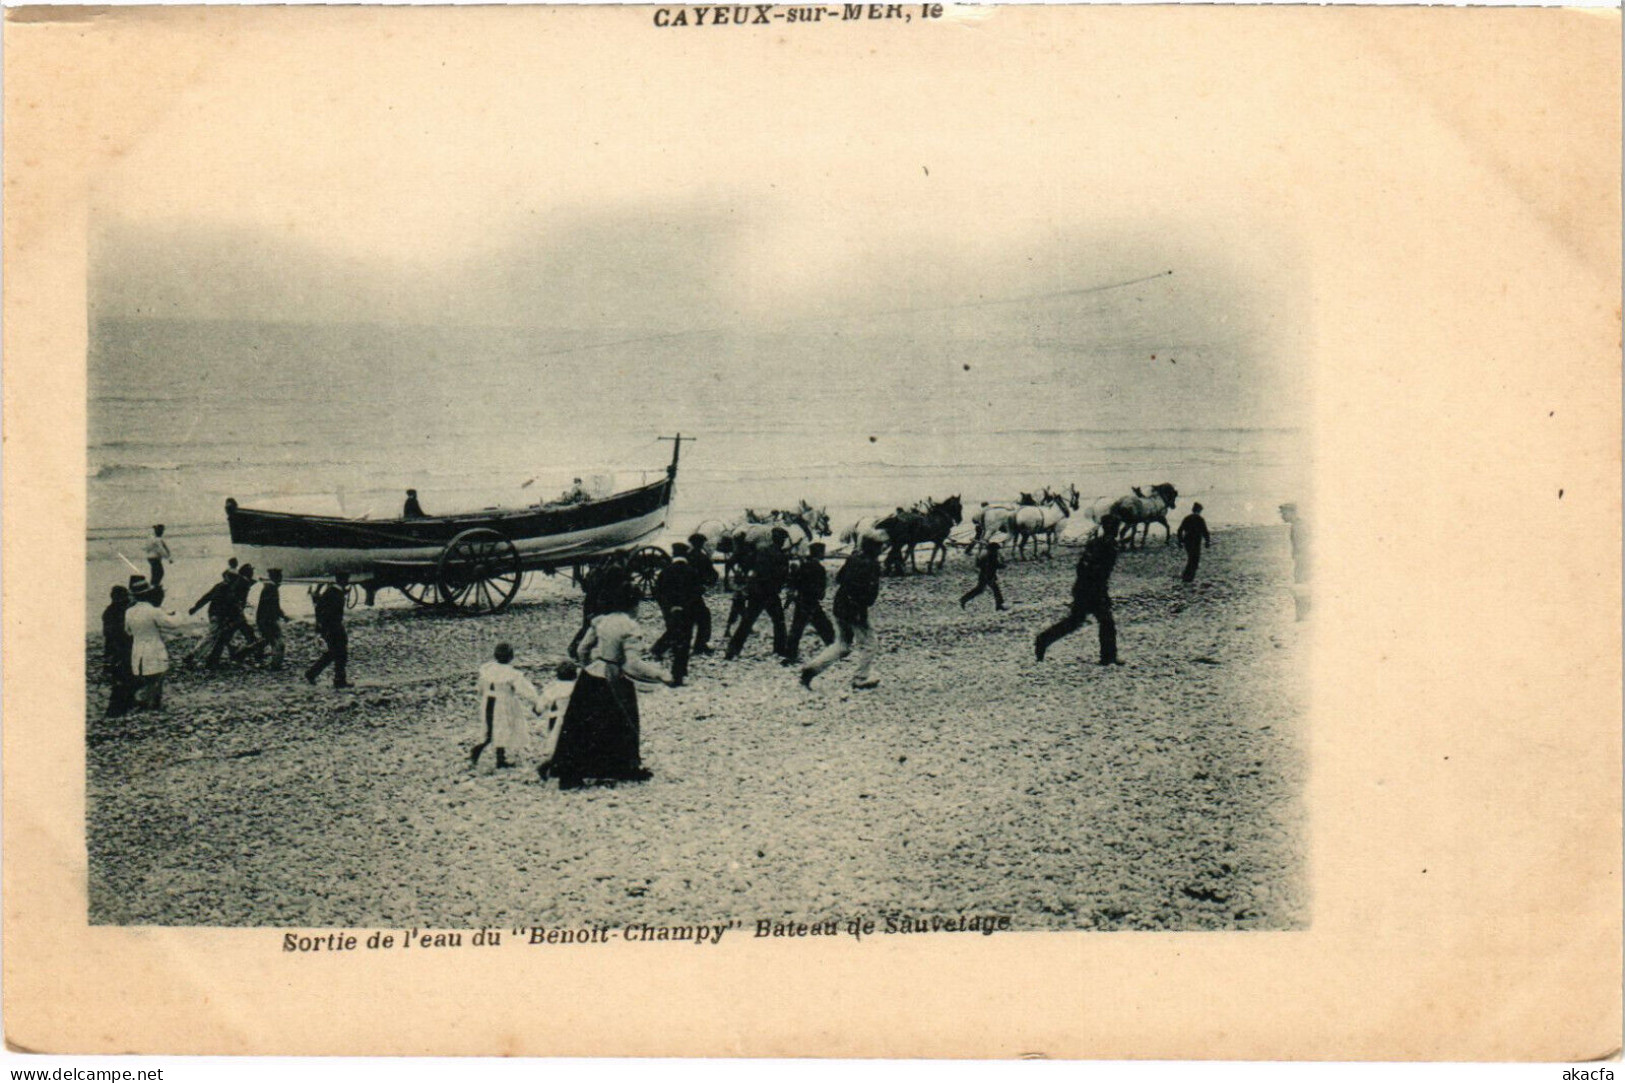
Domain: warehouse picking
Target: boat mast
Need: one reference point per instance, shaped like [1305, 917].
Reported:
[676, 450]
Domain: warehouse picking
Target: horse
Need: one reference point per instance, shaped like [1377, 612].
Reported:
[1045, 519]
[991, 520]
[929, 521]
[757, 529]
[804, 523]
[813, 522]
[1140, 510]
[715, 532]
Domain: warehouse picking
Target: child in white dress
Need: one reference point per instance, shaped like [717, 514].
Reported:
[504, 693]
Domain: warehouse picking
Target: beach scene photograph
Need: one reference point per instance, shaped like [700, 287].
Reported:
[517, 500]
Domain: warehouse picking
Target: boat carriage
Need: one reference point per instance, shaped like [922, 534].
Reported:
[472, 562]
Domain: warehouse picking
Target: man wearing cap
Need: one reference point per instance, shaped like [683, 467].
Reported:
[157, 552]
[809, 582]
[224, 601]
[769, 571]
[705, 577]
[1192, 534]
[1089, 597]
[675, 592]
[857, 587]
[329, 604]
[245, 587]
[268, 618]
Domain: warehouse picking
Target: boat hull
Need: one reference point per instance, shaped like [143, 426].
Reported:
[406, 550]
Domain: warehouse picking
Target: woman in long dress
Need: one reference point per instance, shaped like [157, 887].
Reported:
[149, 659]
[598, 738]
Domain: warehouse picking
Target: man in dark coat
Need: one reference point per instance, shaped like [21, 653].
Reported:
[741, 563]
[608, 579]
[225, 603]
[705, 577]
[330, 626]
[1089, 596]
[244, 587]
[116, 643]
[268, 618]
[1193, 535]
[675, 593]
[809, 583]
[857, 586]
[412, 509]
[769, 572]
[987, 578]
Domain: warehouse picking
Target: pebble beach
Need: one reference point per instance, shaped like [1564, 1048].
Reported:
[1165, 794]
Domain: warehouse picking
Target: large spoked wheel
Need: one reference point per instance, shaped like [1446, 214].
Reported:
[479, 572]
[645, 566]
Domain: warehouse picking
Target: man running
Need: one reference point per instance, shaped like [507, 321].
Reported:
[268, 618]
[809, 582]
[857, 586]
[1089, 597]
[225, 603]
[770, 570]
[987, 577]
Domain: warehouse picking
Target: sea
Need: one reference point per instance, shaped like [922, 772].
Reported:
[342, 419]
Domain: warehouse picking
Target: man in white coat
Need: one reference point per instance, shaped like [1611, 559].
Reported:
[149, 659]
[505, 694]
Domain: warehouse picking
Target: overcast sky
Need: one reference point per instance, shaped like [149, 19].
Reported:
[544, 179]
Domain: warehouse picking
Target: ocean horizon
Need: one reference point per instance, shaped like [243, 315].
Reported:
[341, 419]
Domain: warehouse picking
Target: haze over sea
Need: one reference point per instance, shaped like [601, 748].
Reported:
[343, 418]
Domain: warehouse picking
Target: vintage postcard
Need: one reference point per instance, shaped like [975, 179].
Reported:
[847, 530]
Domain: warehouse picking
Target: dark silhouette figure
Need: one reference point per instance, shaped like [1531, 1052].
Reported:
[676, 592]
[412, 509]
[705, 577]
[330, 626]
[268, 620]
[769, 571]
[1089, 595]
[987, 578]
[606, 580]
[116, 644]
[1193, 535]
[225, 603]
[809, 582]
[857, 587]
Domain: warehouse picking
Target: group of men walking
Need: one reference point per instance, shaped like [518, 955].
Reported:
[135, 659]
[762, 576]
